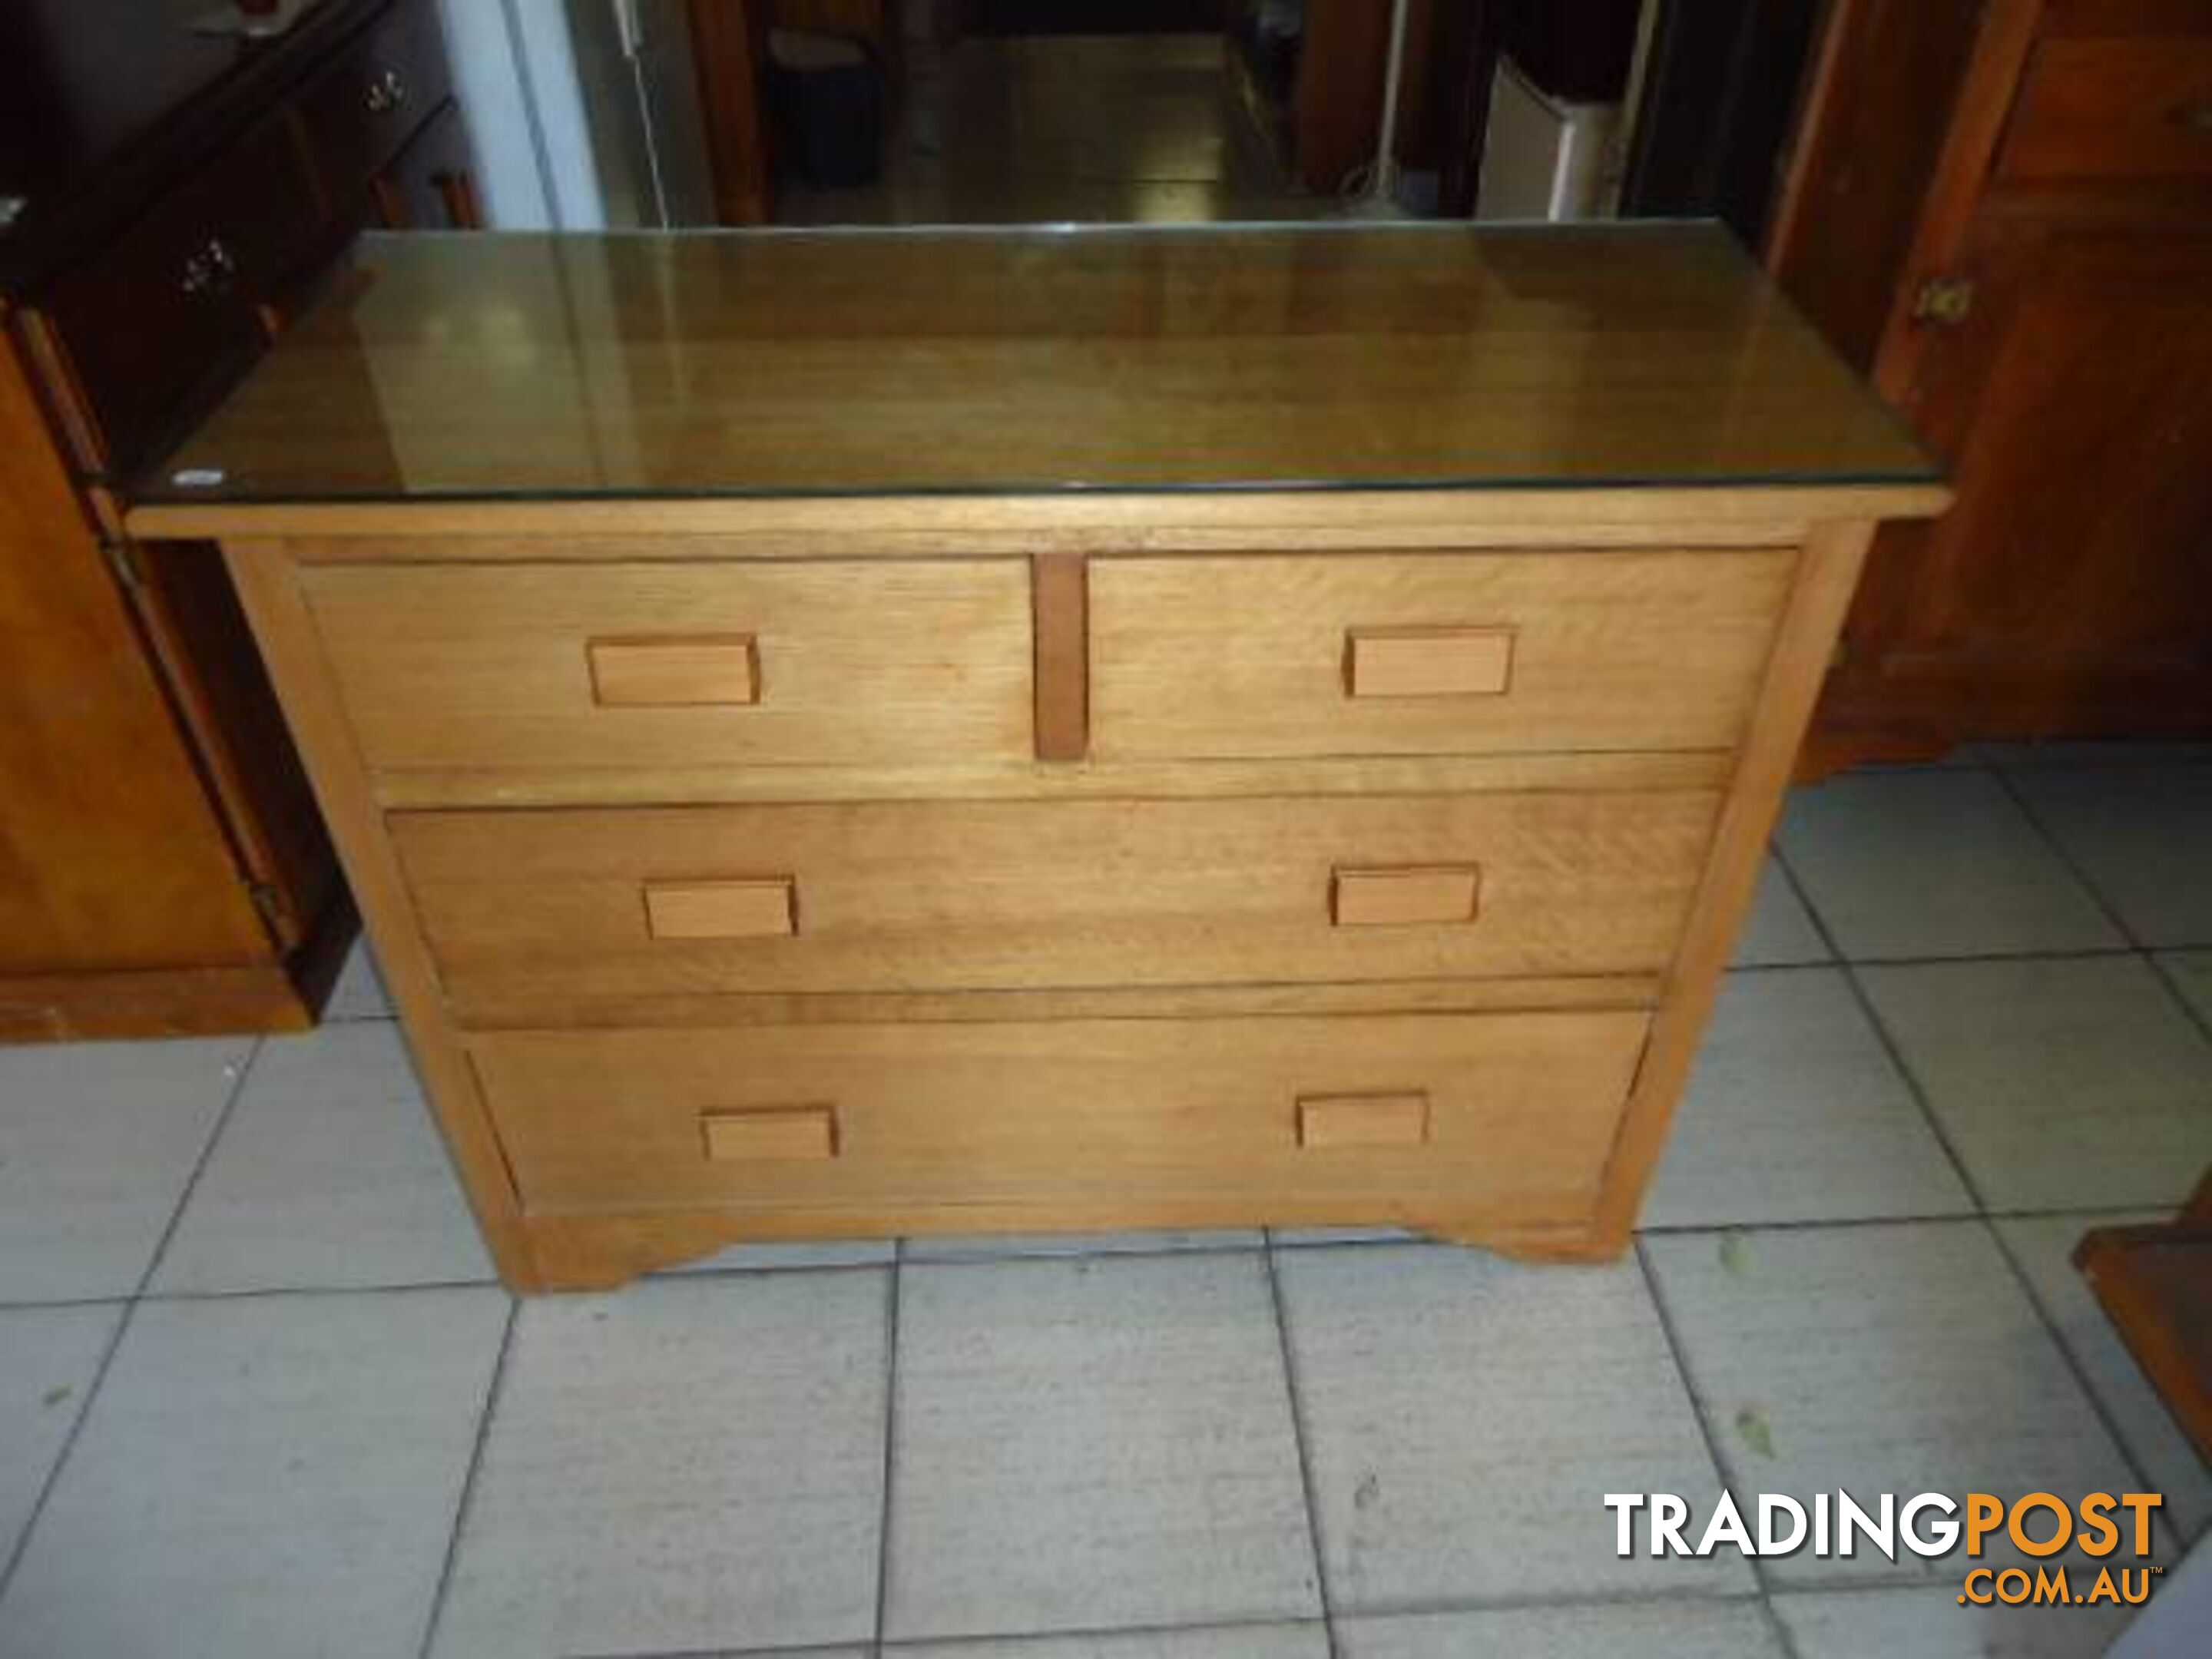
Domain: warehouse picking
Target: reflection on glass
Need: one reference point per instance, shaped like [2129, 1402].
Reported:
[1197, 357]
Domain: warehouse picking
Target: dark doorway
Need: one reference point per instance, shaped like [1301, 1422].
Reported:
[1095, 16]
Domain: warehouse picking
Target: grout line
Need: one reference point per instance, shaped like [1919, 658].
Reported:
[920, 1647]
[1118, 1253]
[120, 1299]
[1818, 1224]
[1984, 1214]
[1618, 1598]
[262, 1291]
[2072, 865]
[1889, 1044]
[2079, 953]
[2074, 1366]
[1676, 1351]
[786, 1650]
[21, 1547]
[890, 1433]
[1777, 1627]
[1294, 1398]
[1916, 1089]
[2110, 763]
[461, 1504]
[199, 1168]
[1242, 1241]
[2201, 1019]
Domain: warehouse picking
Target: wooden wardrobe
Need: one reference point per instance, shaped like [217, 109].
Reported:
[2002, 209]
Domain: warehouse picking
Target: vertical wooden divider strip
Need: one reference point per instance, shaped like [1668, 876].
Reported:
[1804, 648]
[268, 583]
[1060, 605]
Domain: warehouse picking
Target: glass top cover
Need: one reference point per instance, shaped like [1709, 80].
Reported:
[874, 362]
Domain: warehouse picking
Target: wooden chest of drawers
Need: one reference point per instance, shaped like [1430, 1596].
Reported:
[757, 848]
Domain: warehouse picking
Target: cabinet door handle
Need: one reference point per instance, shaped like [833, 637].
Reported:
[1943, 302]
[1428, 662]
[1404, 896]
[773, 1134]
[209, 270]
[1328, 1122]
[385, 93]
[670, 671]
[748, 907]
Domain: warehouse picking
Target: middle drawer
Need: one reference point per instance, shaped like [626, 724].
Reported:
[535, 915]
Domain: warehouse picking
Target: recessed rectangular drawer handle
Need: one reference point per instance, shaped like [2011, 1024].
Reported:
[783, 1134]
[673, 670]
[761, 908]
[1402, 895]
[1326, 1121]
[1427, 662]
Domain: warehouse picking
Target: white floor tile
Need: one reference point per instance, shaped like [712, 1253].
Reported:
[359, 993]
[1232, 1642]
[2044, 1247]
[1463, 1416]
[262, 1475]
[328, 1175]
[1934, 863]
[2061, 1084]
[690, 1464]
[1896, 1359]
[97, 1142]
[2142, 835]
[2191, 974]
[48, 1357]
[1779, 931]
[1093, 1443]
[1796, 1112]
[983, 1247]
[1650, 1630]
[1929, 1624]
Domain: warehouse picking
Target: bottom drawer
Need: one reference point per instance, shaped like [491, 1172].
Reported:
[1506, 1116]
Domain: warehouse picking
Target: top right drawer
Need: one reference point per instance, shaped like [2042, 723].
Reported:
[1267, 655]
[2113, 106]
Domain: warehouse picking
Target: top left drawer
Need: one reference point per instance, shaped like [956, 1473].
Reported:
[512, 669]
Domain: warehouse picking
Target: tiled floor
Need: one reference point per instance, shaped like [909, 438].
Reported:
[1066, 129]
[258, 1394]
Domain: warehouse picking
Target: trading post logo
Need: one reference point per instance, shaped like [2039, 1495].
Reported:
[2114, 1531]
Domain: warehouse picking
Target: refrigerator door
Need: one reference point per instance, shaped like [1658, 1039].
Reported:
[636, 76]
[1543, 158]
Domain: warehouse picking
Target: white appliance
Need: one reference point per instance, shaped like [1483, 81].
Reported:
[585, 113]
[1544, 158]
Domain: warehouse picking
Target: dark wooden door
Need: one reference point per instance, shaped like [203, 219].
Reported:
[2070, 587]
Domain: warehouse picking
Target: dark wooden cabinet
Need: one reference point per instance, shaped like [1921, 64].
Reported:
[170, 308]
[361, 111]
[2014, 235]
[162, 866]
